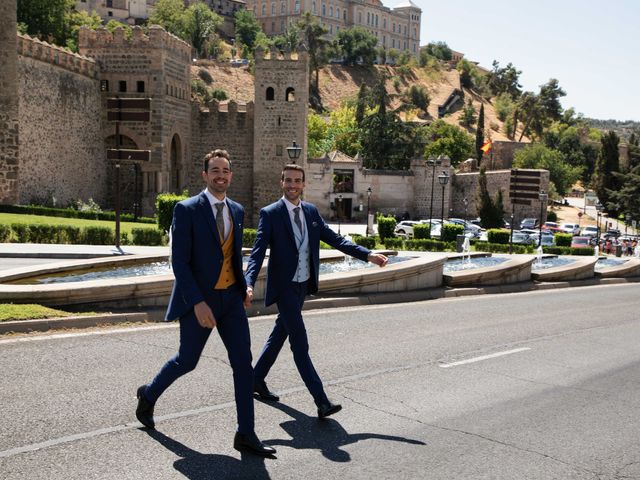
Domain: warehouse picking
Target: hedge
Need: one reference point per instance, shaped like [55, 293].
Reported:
[392, 243]
[498, 235]
[366, 242]
[147, 236]
[428, 245]
[5, 233]
[165, 203]
[449, 232]
[421, 231]
[502, 248]
[71, 213]
[588, 251]
[563, 239]
[249, 237]
[386, 226]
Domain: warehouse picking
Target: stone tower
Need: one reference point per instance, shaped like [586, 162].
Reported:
[281, 105]
[8, 103]
[152, 66]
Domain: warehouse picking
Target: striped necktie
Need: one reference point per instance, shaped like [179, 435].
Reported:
[220, 220]
[296, 219]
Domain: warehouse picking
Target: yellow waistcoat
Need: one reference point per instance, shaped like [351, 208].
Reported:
[227, 275]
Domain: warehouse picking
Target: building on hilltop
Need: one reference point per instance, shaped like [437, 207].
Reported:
[126, 11]
[397, 27]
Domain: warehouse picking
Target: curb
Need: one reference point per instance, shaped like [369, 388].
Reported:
[314, 303]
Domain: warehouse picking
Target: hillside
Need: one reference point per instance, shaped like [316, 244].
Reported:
[339, 83]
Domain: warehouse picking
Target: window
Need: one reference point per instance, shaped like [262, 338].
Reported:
[384, 40]
[104, 85]
[405, 29]
[393, 43]
[273, 9]
[313, 7]
[368, 18]
[359, 17]
[279, 150]
[344, 14]
[264, 9]
[122, 86]
[109, 13]
[331, 29]
[270, 94]
[296, 7]
[331, 11]
[283, 8]
[384, 23]
[140, 86]
[109, 3]
[324, 10]
[338, 12]
[273, 27]
[394, 28]
[282, 25]
[376, 20]
[342, 181]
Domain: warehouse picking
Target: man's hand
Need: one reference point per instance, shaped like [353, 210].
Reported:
[204, 315]
[378, 259]
[248, 298]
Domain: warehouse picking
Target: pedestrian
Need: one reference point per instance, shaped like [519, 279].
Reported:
[292, 229]
[208, 293]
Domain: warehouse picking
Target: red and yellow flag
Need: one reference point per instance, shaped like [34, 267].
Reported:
[486, 146]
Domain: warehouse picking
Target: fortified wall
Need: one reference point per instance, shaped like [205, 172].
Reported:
[229, 126]
[61, 151]
[9, 172]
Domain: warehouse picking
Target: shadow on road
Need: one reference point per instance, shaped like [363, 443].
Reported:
[205, 466]
[326, 435]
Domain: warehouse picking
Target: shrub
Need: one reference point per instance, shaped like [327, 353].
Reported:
[216, 94]
[5, 232]
[204, 74]
[20, 232]
[552, 216]
[586, 251]
[249, 237]
[71, 213]
[563, 239]
[147, 236]
[557, 250]
[366, 242]
[498, 235]
[98, 236]
[502, 248]
[386, 225]
[421, 231]
[69, 234]
[428, 245]
[44, 233]
[165, 203]
[392, 243]
[450, 232]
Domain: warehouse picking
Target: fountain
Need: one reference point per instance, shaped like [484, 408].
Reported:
[539, 253]
[636, 251]
[596, 251]
[466, 250]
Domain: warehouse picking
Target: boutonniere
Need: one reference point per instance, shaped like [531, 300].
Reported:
[314, 224]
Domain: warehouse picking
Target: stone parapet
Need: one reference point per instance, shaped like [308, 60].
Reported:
[61, 57]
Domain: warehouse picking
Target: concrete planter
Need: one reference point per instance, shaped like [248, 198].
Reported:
[581, 269]
[516, 269]
[630, 268]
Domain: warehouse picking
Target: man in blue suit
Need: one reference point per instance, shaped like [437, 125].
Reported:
[292, 229]
[208, 293]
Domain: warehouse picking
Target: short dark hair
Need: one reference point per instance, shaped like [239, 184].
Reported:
[217, 153]
[292, 166]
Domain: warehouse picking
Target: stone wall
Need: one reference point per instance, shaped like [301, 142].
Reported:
[228, 126]
[428, 192]
[8, 104]
[61, 150]
[280, 119]
[501, 156]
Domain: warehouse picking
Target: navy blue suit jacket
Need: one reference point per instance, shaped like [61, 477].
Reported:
[276, 232]
[196, 252]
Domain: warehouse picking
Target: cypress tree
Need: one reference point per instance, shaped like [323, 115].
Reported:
[480, 133]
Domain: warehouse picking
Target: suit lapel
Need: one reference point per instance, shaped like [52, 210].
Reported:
[286, 219]
[308, 220]
[207, 211]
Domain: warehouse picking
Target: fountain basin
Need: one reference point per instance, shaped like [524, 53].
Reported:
[514, 270]
[630, 268]
[580, 269]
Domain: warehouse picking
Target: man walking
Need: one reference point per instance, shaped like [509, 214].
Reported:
[292, 229]
[208, 293]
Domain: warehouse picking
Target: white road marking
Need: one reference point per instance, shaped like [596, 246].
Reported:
[483, 357]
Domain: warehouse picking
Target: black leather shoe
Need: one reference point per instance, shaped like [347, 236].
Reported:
[251, 443]
[260, 387]
[144, 412]
[327, 409]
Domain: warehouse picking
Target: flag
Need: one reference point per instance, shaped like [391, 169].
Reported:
[486, 146]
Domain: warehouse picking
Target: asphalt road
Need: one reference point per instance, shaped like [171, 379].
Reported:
[538, 385]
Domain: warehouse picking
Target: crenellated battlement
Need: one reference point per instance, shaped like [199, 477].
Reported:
[227, 108]
[158, 38]
[61, 57]
[300, 54]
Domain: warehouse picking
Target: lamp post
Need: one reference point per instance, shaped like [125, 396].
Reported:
[432, 162]
[338, 211]
[598, 215]
[627, 219]
[368, 210]
[543, 200]
[294, 151]
[465, 202]
[443, 179]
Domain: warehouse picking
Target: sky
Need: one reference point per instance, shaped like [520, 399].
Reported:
[591, 47]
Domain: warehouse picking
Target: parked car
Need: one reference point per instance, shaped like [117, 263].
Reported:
[405, 228]
[529, 223]
[572, 228]
[521, 238]
[548, 240]
[579, 242]
[552, 227]
[589, 231]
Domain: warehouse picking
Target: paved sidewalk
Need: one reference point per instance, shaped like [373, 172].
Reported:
[45, 250]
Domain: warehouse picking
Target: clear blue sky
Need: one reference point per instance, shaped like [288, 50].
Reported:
[591, 47]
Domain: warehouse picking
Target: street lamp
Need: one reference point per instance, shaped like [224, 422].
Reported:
[338, 211]
[443, 179]
[368, 209]
[465, 202]
[598, 215]
[627, 219]
[543, 200]
[294, 152]
[432, 162]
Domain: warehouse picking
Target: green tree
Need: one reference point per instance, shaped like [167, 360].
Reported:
[505, 80]
[549, 100]
[317, 129]
[416, 96]
[491, 212]
[439, 50]
[480, 133]
[468, 117]
[356, 44]
[361, 104]
[540, 156]
[448, 140]
[504, 106]
[77, 20]
[169, 15]
[627, 196]
[607, 163]
[289, 40]
[247, 29]
[200, 24]
[467, 72]
[314, 34]
[46, 19]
